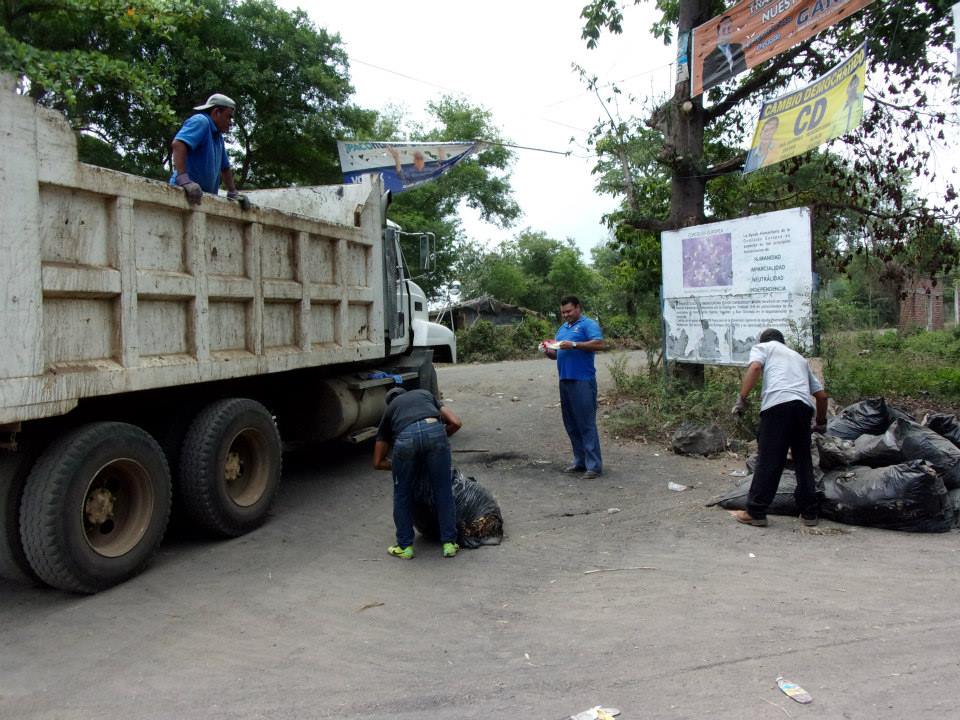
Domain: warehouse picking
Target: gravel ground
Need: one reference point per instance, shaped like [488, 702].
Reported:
[616, 591]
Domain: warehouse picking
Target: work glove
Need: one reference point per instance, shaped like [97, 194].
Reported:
[192, 189]
[739, 407]
[242, 200]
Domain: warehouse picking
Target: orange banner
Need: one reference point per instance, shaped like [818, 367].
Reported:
[753, 31]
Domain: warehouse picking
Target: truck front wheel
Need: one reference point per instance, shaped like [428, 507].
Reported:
[95, 507]
[230, 467]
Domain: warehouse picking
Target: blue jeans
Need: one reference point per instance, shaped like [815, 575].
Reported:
[578, 402]
[422, 449]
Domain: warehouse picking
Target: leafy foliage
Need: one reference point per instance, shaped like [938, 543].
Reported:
[921, 365]
[533, 271]
[485, 342]
[859, 190]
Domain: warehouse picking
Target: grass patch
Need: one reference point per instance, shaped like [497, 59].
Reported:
[920, 366]
[646, 408]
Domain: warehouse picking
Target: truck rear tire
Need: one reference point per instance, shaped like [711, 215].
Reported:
[230, 467]
[13, 561]
[95, 507]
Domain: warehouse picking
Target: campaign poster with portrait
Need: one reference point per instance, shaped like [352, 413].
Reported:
[725, 282]
[826, 109]
[753, 31]
[402, 165]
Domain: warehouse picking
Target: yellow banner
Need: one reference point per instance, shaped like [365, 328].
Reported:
[825, 109]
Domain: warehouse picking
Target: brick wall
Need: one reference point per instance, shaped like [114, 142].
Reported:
[923, 305]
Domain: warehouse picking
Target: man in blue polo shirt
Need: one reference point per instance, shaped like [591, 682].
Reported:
[577, 340]
[200, 159]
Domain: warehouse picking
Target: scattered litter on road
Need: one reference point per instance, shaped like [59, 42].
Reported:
[793, 691]
[738, 473]
[751, 555]
[514, 399]
[676, 487]
[595, 713]
[370, 605]
[542, 462]
[613, 510]
[600, 570]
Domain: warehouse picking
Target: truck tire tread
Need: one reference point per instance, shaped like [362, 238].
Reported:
[43, 530]
[203, 497]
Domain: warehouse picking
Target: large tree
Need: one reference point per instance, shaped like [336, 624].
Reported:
[126, 74]
[693, 151]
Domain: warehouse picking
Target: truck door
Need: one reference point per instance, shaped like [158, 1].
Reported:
[394, 288]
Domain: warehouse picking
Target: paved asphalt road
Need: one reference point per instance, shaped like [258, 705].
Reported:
[692, 616]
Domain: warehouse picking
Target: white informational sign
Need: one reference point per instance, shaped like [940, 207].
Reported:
[723, 283]
[956, 38]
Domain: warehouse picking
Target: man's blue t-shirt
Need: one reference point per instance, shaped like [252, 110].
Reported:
[208, 154]
[578, 364]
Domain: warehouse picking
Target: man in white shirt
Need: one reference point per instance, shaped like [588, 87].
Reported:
[785, 413]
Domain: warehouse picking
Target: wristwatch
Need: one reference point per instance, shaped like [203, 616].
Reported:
[574, 346]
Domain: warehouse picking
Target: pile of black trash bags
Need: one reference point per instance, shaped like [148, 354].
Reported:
[877, 466]
[479, 520]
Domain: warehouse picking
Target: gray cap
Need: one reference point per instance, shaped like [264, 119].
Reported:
[393, 393]
[217, 100]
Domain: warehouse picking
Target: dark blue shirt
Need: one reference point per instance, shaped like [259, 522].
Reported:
[208, 154]
[405, 409]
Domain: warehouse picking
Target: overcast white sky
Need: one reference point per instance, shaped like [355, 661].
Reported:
[513, 58]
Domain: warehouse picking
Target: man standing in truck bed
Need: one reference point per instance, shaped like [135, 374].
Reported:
[200, 159]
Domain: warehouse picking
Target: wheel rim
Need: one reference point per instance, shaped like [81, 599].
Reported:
[246, 471]
[117, 507]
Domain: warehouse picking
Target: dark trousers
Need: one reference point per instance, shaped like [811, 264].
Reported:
[421, 448]
[783, 427]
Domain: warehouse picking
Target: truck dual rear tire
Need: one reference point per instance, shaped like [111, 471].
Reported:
[95, 507]
[230, 467]
[13, 561]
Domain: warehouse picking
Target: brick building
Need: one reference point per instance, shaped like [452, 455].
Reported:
[923, 305]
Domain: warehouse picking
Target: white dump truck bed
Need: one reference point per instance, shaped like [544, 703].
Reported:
[112, 283]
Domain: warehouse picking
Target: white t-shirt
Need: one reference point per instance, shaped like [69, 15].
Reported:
[786, 375]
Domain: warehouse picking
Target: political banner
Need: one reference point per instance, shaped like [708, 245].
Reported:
[725, 282]
[753, 31]
[403, 165]
[825, 109]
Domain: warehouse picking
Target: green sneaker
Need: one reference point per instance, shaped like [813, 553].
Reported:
[450, 549]
[401, 552]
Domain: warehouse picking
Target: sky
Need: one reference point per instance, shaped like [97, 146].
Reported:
[515, 60]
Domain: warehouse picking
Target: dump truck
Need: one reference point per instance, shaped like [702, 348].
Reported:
[158, 355]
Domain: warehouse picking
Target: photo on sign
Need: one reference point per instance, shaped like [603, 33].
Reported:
[707, 261]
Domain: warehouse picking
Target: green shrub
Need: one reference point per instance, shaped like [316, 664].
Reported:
[917, 364]
[648, 408]
[485, 342]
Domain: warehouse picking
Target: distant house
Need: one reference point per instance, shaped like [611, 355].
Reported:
[921, 304]
[466, 313]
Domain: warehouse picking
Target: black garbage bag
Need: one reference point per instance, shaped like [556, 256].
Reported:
[954, 496]
[834, 452]
[879, 450]
[783, 502]
[870, 417]
[909, 497]
[479, 520]
[946, 425]
[923, 443]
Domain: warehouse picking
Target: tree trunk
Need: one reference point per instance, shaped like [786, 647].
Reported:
[681, 120]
